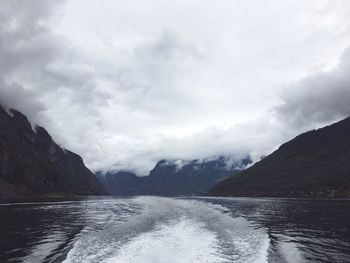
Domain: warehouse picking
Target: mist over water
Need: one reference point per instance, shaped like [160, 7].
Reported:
[156, 229]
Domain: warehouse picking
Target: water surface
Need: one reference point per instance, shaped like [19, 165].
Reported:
[172, 230]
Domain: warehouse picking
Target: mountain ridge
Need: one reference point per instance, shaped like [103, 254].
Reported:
[32, 164]
[313, 164]
[172, 177]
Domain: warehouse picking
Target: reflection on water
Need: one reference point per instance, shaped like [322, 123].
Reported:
[153, 229]
[38, 231]
[299, 229]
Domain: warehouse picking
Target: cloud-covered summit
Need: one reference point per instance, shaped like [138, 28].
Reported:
[128, 83]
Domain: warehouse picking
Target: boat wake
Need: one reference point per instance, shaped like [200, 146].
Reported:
[155, 229]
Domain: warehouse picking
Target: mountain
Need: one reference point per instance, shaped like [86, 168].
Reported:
[172, 177]
[314, 164]
[122, 183]
[32, 164]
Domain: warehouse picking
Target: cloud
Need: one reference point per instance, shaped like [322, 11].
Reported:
[24, 47]
[127, 83]
[15, 96]
[319, 98]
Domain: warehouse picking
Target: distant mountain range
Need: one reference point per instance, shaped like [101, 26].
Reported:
[173, 177]
[32, 164]
[314, 164]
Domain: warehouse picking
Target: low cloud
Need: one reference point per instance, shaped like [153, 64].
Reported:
[319, 98]
[25, 48]
[15, 96]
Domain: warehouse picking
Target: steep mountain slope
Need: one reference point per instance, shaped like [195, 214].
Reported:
[314, 164]
[172, 178]
[32, 164]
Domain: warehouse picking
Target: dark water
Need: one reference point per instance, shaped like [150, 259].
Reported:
[157, 230]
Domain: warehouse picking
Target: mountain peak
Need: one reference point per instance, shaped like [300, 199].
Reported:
[172, 177]
[32, 164]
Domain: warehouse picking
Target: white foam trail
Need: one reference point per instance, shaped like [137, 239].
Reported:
[170, 230]
[182, 242]
[291, 253]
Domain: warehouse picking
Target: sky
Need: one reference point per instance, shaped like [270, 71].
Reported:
[125, 83]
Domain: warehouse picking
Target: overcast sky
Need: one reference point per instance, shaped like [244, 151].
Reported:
[125, 83]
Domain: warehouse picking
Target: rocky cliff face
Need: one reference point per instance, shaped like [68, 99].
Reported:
[32, 164]
[172, 177]
[314, 164]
